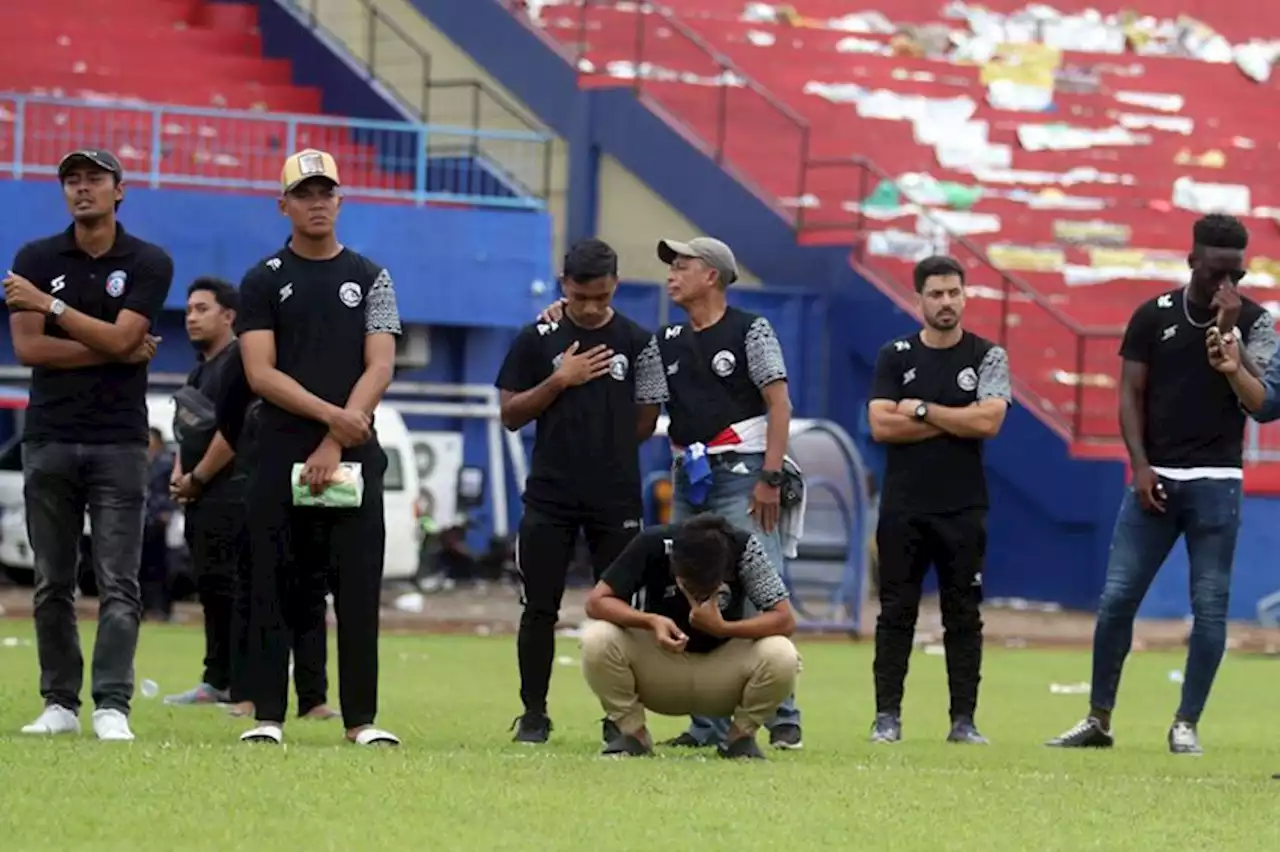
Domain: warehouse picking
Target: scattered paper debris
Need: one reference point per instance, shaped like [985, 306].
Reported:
[1081, 688]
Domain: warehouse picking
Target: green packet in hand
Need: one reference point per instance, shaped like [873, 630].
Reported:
[345, 490]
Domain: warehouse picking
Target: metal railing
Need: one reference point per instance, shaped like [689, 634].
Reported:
[391, 57]
[161, 145]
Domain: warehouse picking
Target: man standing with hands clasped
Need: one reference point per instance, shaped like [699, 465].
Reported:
[937, 395]
[1185, 385]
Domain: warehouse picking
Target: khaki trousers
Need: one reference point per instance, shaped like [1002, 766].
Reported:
[630, 672]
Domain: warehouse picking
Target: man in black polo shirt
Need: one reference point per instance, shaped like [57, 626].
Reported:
[936, 396]
[1182, 417]
[593, 383]
[693, 648]
[318, 343]
[81, 305]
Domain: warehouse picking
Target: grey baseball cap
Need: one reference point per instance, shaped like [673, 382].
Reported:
[709, 250]
[97, 157]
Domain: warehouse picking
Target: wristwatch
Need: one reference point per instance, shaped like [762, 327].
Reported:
[56, 307]
[771, 478]
[921, 410]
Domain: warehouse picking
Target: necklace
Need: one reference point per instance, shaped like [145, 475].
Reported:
[1186, 311]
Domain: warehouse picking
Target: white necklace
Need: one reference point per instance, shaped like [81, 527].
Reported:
[1186, 311]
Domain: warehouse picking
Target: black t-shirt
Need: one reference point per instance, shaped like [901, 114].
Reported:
[320, 312]
[714, 376]
[106, 404]
[1193, 418]
[214, 377]
[585, 453]
[644, 568]
[237, 409]
[943, 474]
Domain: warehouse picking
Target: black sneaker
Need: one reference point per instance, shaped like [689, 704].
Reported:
[786, 736]
[964, 731]
[1087, 734]
[608, 731]
[686, 740]
[1183, 739]
[887, 728]
[627, 745]
[743, 748]
[531, 728]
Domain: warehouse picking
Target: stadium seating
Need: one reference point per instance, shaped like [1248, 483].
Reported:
[175, 52]
[1058, 259]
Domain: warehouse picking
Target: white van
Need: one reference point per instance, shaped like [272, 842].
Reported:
[400, 501]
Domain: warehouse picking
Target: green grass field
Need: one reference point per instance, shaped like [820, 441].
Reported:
[458, 783]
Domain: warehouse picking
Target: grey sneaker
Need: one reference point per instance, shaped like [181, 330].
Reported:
[1183, 739]
[887, 728]
[964, 731]
[1086, 734]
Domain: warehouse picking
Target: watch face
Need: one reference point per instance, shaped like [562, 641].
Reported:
[921, 410]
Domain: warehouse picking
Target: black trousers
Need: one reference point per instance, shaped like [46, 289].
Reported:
[955, 544]
[214, 531]
[544, 550]
[298, 555]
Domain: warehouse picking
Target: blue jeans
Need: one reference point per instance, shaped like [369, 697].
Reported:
[730, 498]
[1207, 513]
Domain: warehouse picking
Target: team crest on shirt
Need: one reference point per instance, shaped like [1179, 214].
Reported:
[968, 379]
[115, 283]
[349, 293]
[558, 360]
[723, 363]
[618, 367]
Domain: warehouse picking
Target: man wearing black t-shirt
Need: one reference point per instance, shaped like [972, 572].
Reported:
[1183, 396]
[81, 305]
[318, 344]
[693, 647]
[593, 382]
[936, 396]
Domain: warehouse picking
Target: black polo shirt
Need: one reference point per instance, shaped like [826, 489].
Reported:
[237, 410]
[715, 376]
[943, 474]
[214, 377]
[644, 567]
[106, 404]
[320, 312]
[585, 453]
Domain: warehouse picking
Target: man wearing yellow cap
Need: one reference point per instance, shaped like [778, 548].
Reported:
[318, 343]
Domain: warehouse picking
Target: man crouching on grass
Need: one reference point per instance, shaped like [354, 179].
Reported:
[690, 651]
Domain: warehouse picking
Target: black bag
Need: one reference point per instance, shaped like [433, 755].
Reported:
[195, 421]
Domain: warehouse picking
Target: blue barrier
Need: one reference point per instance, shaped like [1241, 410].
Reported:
[163, 145]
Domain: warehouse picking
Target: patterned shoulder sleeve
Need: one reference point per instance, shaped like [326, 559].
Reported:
[1262, 340]
[651, 376]
[765, 363]
[760, 579]
[993, 375]
[381, 313]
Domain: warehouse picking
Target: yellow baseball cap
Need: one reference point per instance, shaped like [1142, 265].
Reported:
[307, 164]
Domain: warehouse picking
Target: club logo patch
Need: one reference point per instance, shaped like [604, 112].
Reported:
[968, 379]
[618, 367]
[557, 361]
[115, 283]
[723, 363]
[350, 294]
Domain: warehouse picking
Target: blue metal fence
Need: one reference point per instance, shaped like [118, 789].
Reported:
[175, 146]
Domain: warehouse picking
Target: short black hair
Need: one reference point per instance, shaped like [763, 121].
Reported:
[1220, 231]
[702, 552]
[939, 264]
[590, 259]
[224, 293]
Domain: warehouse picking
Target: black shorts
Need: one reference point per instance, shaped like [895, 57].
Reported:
[548, 542]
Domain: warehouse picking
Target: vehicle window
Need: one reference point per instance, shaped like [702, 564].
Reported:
[394, 478]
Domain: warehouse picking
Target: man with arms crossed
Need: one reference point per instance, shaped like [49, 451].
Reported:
[81, 305]
[691, 648]
[936, 397]
[318, 345]
[593, 382]
[1182, 416]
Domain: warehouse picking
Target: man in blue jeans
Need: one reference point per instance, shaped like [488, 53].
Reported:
[1191, 362]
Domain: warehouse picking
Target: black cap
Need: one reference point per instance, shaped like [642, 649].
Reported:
[104, 160]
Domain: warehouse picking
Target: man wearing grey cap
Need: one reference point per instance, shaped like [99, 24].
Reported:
[730, 417]
[81, 307]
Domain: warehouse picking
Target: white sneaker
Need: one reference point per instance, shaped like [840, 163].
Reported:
[111, 725]
[55, 719]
